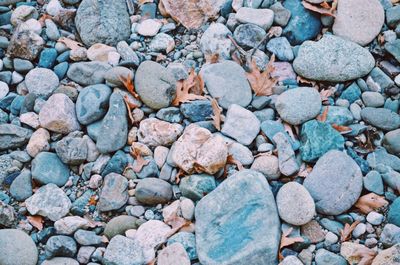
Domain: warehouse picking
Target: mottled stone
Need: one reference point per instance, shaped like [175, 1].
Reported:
[154, 132]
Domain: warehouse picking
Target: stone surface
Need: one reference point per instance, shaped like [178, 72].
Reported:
[196, 187]
[388, 256]
[154, 132]
[114, 193]
[38, 142]
[153, 191]
[25, 44]
[324, 257]
[42, 82]
[123, 251]
[248, 35]
[260, 17]
[245, 230]
[60, 261]
[72, 150]
[391, 141]
[288, 164]
[382, 118]
[60, 246]
[48, 168]
[173, 254]
[88, 73]
[268, 165]
[16, 247]
[335, 183]
[21, 187]
[13, 136]
[214, 41]
[119, 224]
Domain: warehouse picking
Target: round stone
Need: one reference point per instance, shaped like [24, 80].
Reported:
[48, 168]
[16, 247]
[215, 41]
[41, 82]
[295, 204]
[4, 89]
[268, 165]
[153, 191]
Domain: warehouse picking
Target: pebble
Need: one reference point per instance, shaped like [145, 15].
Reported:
[152, 191]
[187, 240]
[281, 14]
[281, 48]
[70, 224]
[13, 136]
[119, 225]
[391, 141]
[393, 216]
[63, 246]
[21, 187]
[388, 256]
[154, 132]
[149, 27]
[72, 150]
[288, 164]
[324, 257]
[87, 238]
[260, 17]
[373, 99]
[248, 35]
[25, 44]
[4, 89]
[241, 153]
[48, 168]
[198, 110]
[114, 193]
[375, 218]
[99, 52]
[173, 254]
[42, 82]
[123, 251]
[38, 142]
[196, 187]
[374, 116]
[162, 43]
[88, 73]
[373, 182]
[60, 260]
[215, 41]
[16, 247]
[267, 165]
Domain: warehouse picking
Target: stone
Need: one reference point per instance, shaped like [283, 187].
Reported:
[162, 43]
[325, 257]
[241, 124]
[281, 48]
[148, 27]
[281, 14]
[295, 204]
[118, 162]
[373, 99]
[375, 218]
[99, 52]
[249, 201]
[248, 35]
[154, 132]
[13, 136]
[390, 235]
[60, 246]
[129, 57]
[393, 48]
[42, 82]
[31, 119]
[291, 260]
[113, 75]
[114, 193]
[25, 44]
[155, 85]
[393, 216]
[388, 256]
[350, 250]
[351, 93]
[267, 165]
[48, 168]
[72, 150]
[38, 142]
[215, 41]
[21, 187]
[58, 114]
[391, 142]
[260, 17]
[241, 153]
[152, 191]
[119, 224]
[123, 251]
[187, 240]
[317, 138]
[88, 73]
[316, 61]
[298, 105]
[114, 126]
[102, 22]
[23, 13]
[60, 260]
[173, 254]
[4, 89]
[7, 212]
[196, 187]
[373, 182]
[286, 157]
[47, 58]
[198, 110]
[338, 115]
[87, 238]
[358, 22]
[381, 117]
[70, 224]
[335, 183]
[16, 247]
[227, 82]
[313, 231]
[197, 150]
[303, 24]
[92, 103]
[49, 201]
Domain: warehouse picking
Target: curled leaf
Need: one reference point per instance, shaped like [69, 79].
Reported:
[140, 162]
[128, 83]
[322, 117]
[36, 221]
[345, 233]
[189, 89]
[71, 44]
[323, 9]
[216, 114]
[262, 83]
[370, 202]
[342, 129]
[129, 107]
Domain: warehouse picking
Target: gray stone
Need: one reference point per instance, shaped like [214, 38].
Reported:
[249, 35]
[260, 17]
[281, 48]
[335, 183]
[155, 85]
[333, 59]
[215, 41]
[87, 238]
[128, 56]
[113, 76]
[325, 257]
[114, 193]
[16, 247]
[153, 191]
[42, 82]
[393, 16]
[373, 182]
[21, 187]
[48, 168]
[60, 261]
[88, 73]
[99, 21]
[227, 82]
[49, 201]
[298, 105]
[241, 153]
[72, 150]
[381, 156]
[373, 99]
[382, 118]
[63, 246]
[7, 212]
[92, 103]
[391, 142]
[268, 165]
[119, 224]
[114, 127]
[13, 136]
[154, 132]
[162, 43]
[287, 160]
[246, 230]
[123, 251]
[25, 44]
[281, 14]
[390, 235]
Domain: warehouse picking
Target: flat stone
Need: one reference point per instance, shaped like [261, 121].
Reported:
[154, 132]
[260, 17]
[114, 193]
[381, 117]
[249, 35]
[48, 168]
[149, 27]
[13, 136]
[119, 224]
[173, 254]
[196, 186]
[152, 191]
[267, 165]
[215, 41]
[42, 82]
[317, 61]
[123, 251]
[246, 230]
[16, 247]
[88, 73]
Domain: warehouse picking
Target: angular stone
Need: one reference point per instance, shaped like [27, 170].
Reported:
[25, 44]
[114, 193]
[13, 136]
[287, 160]
[154, 132]
[123, 251]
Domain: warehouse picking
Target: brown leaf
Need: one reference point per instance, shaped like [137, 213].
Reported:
[36, 221]
[322, 117]
[341, 128]
[262, 83]
[189, 89]
[140, 162]
[128, 83]
[212, 58]
[306, 81]
[71, 44]
[92, 200]
[325, 94]
[370, 202]
[181, 173]
[43, 18]
[129, 107]
[192, 14]
[216, 114]
[231, 160]
[304, 171]
[323, 9]
[345, 233]
[367, 255]
[287, 241]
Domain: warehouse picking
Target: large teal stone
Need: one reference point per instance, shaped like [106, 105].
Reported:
[352, 93]
[394, 212]
[196, 187]
[317, 138]
[48, 168]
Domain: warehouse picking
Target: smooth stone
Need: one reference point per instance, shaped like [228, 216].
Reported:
[379, 77]
[227, 82]
[373, 182]
[4, 89]
[60, 261]
[61, 69]
[241, 153]
[335, 183]
[358, 22]
[88, 73]
[38, 142]
[155, 85]
[148, 27]
[316, 61]
[390, 235]
[215, 41]
[173, 254]
[373, 99]
[267, 165]
[42, 82]
[119, 224]
[114, 193]
[49, 201]
[391, 142]
[196, 187]
[47, 58]
[388, 256]
[281, 48]
[260, 17]
[381, 156]
[393, 47]
[281, 14]
[13, 136]
[298, 105]
[249, 35]
[113, 76]
[123, 251]
[87, 238]
[21, 187]
[152, 191]
[393, 216]
[198, 110]
[17, 247]
[128, 56]
[382, 118]
[70, 224]
[162, 43]
[188, 241]
[351, 93]
[72, 150]
[338, 115]
[325, 257]
[48, 168]
[60, 246]
[116, 164]
[99, 52]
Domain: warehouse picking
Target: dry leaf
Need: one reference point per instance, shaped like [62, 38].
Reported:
[92, 200]
[322, 117]
[217, 110]
[231, 160]
[304, 171]
[367, 255]
[71, 44]
[345, 233]
[287, 241]
[212, 58]
[262, 83]
[181, 173]
[189, 89]
[129, 107]
[325, 94]
[370, 202]
[128, 83]
[306, 81]
[36, 221]
[275, 31]
[43, 18]
[323, 8]
[342, 129]
[140, 162]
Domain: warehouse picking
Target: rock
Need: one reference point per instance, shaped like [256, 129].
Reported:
[215, 41]
[373, 99]
[335, 183]
[49, 201]
[154, 132]
[173, 254]
[241, 124]
[7, 213]
[381, 117]
[375, 218]
[241, 153]
[88, 73]
[358, 22]
[119, 224]
[153, 191]
[25, 44]
[338, 115]
[248, 201]
[162, 43]
[59, 261]
[4, 89]
[99, 52]
[281, 14]
[72, 150]
[60, 246]
[268, 165]
[198, 110]
[350, 250]
[227, 82]
[390, 235]
[155, 85]
[291, 260]
[38, 142]
[281, 48]
[187, 240]
[42, 82]
[393, 48]
[196, 187]
[381, 156]
[317, 138]
[391, 141]
[393, 216]
[129, 57]
[352, 93]
[58, 114]
[324, 257]
[303, 24]
[116, 164]
[16, 247]
[113, 75]
[149, 27]
[287, 160]
[87, 238]
[295, 204]
[102, 22]
[197, 150]
[21, 187]
[313, 231]
[23, 13]
[114, 193]
[373, 182]
[70, 224]
[48, 168]
[298, 105]
[248, 35]
[114, 126]
[123, 251]
[316, 61]
[13, 136]
[388, 256]
[260, 17]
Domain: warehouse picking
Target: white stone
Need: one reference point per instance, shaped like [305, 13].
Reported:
[68, 225]
[99, 52]
[173, 254]
[260, 17]
[38, 142]
[30, 118]
[375, 218]
[4, 89]
[54, 8]
[149, 27]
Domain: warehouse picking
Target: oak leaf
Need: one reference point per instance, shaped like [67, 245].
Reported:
[287, 241]
[262, 83]
[140, 162]
[345, 233]
[71, 44]
[323, 9]
[216, 117]
[128, 83]
[370, 202]
[189, 89]
[36, 221]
